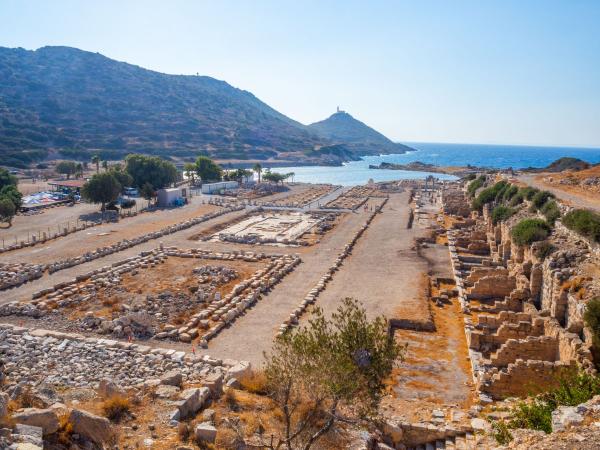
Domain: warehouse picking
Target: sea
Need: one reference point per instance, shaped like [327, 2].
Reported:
[493, 156]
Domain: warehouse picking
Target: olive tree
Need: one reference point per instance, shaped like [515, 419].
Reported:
[330, 371]
[207, 169]
[7, 210]
[101, 188]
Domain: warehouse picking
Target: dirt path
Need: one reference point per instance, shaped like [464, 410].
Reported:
[383, 271]
[570, 198]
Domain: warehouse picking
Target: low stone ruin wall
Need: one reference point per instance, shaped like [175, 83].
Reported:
[128, 243]
[15, 274]
[37, 356]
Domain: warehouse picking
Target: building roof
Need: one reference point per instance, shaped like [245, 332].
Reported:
[67, 183]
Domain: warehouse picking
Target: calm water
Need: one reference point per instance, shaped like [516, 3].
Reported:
[497, 156]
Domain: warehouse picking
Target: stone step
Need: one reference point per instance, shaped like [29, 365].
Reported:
[450, 443]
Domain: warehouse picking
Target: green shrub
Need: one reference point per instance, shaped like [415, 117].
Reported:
[535, 415]
[528, 231]
[501, 432]
[501, 213]
[510, 193]
[583, 222]
[475, 184]
[551, 211]
[540, 198]
[528, 192]
[470, 177]
[489, 194]
[517, 199]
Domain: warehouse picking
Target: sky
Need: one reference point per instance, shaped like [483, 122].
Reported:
[497, 72]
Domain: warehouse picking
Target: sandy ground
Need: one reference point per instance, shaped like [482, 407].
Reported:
[384, 271]
[571, 196]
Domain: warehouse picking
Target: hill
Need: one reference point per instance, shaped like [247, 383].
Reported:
[341, 127]
[61, 98]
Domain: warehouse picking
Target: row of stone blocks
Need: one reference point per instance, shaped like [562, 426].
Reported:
[128, 243]
[314, 293]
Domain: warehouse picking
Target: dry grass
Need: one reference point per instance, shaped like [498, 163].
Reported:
[65, 430]
[116, 408]
[184, 431]
[255, 383]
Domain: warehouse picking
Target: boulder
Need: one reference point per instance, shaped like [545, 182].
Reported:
[28, 434]
[46, 419]
[205, 432]
[214, 382]
[565, 417]
[172, 378]
[108, 388]
[192, 401]
[239, 370]
[95, 428]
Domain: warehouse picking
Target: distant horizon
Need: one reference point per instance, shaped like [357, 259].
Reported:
[575, 147]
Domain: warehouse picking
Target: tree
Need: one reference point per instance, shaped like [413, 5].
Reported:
[330, 371]
[124, 179]
[96, 161]
[150, 169]
[67, 168]
[102, 188]
[105, 165]
[7, 210]
[207, 169]
[12, 193]
[274, 177]
[258, 169]
[147, 191]
[190, 171]
[6, 178]
[78, 170]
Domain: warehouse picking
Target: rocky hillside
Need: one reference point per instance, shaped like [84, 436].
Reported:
[65, 102]
[341, 127]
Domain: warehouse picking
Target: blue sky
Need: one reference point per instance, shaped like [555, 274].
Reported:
[508, 72]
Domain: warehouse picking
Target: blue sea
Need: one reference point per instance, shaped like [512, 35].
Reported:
[496, 156]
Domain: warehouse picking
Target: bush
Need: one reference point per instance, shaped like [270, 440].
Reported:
[116, 408]
[540, 198]
[470, 177]
[475, 184]
[501, 213]
[255, 383]
[528, 192]
[535, 415]
[583, 222]
[528, 231]
[489, 195]
[551, 212]
[509, 193]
